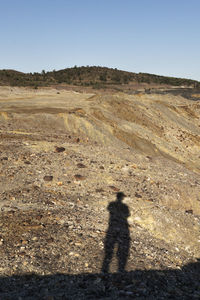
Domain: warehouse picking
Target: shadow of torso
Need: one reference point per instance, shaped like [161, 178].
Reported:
[119, 213]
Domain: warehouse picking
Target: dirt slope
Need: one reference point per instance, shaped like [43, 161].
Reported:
[64, 156]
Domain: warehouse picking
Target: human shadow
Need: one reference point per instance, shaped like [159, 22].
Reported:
[117, 234]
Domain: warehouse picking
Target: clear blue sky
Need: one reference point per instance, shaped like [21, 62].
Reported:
[154, 36]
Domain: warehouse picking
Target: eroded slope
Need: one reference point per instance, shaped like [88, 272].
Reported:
[54, 202]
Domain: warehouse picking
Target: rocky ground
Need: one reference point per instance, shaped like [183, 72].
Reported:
[64, 156]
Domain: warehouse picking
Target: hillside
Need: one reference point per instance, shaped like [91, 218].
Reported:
[97, 77]
[64, 158]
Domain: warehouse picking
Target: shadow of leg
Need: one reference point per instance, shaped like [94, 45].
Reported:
[122, 253]
[109, 248]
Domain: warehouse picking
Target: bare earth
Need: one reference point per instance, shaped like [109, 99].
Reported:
[63, 158]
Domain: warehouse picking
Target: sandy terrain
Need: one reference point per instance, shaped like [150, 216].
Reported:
[64, 156]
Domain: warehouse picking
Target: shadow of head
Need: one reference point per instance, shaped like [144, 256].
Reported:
[120, 196]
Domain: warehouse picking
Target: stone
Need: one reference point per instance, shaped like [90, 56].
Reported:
[80, 165]
[189, 211]
[59, 149]
[48, 178]
[138, 195]
[114, 188]
[79, 177]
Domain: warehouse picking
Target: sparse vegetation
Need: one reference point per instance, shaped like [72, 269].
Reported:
[88, 76]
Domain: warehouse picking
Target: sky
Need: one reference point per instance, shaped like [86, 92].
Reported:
[151, 36]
